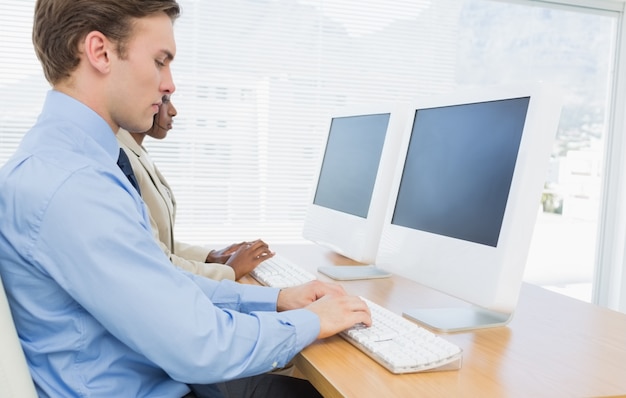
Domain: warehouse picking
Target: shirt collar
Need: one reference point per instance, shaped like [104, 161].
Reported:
[58, 105]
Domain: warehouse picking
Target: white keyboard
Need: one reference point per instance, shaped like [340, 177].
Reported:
[402, 346]
[280, 272]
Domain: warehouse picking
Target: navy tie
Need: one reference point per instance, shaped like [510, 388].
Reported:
[124, 164]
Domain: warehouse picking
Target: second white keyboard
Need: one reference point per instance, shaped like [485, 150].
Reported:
[400, 345]
[281, 272]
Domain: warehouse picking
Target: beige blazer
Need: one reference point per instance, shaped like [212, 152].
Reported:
[161, 205]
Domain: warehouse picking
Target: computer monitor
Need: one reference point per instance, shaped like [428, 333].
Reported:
[350, 194]
[465, 200]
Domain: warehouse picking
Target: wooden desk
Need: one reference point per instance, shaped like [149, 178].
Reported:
[555, 346]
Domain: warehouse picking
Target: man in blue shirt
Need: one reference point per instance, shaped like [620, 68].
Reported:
[99, 309]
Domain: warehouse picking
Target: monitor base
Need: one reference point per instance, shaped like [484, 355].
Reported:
[457, 319]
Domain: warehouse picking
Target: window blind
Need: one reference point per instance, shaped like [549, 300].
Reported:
[255, 84]
[257, 79]
[21, 79]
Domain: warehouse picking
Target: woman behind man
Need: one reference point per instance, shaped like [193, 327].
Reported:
[232, 262]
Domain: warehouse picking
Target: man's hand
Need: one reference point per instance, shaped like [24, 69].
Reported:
[336, 310]
[340, 313]
[292, 298]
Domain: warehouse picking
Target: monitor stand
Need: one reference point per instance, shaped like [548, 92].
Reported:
[455, 319]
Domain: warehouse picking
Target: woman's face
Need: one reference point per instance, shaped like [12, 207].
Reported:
[163, 120]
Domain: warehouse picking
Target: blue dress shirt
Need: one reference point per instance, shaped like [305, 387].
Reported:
[99, 309]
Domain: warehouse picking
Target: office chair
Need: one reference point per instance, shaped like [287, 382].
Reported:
[15, 379]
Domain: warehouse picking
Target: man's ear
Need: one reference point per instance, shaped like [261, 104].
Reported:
[98, 51]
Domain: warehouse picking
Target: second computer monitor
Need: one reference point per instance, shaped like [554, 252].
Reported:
[350, 196]
[465, 199]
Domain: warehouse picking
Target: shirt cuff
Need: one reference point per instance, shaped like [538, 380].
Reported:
[259, 298]
[307, 325]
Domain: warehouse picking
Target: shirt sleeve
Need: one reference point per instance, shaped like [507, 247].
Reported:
[194, 252]
[196, 329]
[190, 258]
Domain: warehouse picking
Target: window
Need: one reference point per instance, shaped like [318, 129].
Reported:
[255, 80]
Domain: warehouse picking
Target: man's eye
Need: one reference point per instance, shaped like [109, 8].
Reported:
[159, 63]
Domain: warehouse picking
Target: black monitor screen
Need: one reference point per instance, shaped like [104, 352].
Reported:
[350, 164]
[459, 167]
